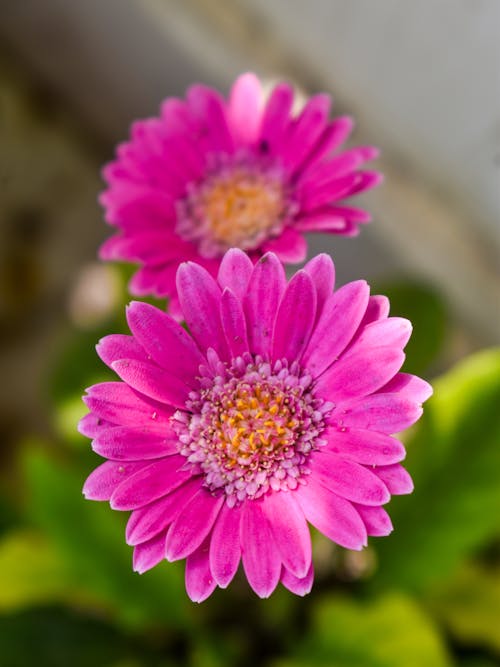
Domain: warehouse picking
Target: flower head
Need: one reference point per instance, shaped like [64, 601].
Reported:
[210, 174]
[275, 410]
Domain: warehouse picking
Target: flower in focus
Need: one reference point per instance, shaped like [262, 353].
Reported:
[275, 411]
[210, 174]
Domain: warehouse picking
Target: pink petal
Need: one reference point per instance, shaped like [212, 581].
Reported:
[322, 220]
[149, 554]
[233, 324]
[102, 482]
[123, 443]
[260, 555]
[149, 210]
[290, 247]
[200, 583]
[408, 386]
[235, 271]
[290, 531]
[332, 515]
[267, 285]
[366, 447]
[392, 331]
[165, 340]
[146, 522]
[339, 321]
[152, 381]
[295, 318]
[306, 130]
[295, 585]
[360, 372]
[225, 548]
[377, 309]
[366, 181]
[91, 425]
[320, 194]
[208, 109]
[153, 247]
[155, 481]
[118, 403]
[333, 136]
[118, 346]
[192, 525]
[243, 111]
[388, 413]
[200, 296]
[376, 520]
[275, 119]
[348, 479]
[395, 478]
[321, 270]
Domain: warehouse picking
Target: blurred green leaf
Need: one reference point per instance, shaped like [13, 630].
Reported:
[426, 311]
[90, 539]
[454, 458]
[31, 571]
[469, 606]
[387, 632]
[51, 637]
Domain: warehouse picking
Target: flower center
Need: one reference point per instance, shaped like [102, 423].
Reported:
[251, 427]
[239, 203]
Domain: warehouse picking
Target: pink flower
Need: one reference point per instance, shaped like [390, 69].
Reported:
[275, 411]
[211, 174]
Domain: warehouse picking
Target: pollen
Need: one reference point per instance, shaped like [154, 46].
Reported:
[238, 204]
[251, 428]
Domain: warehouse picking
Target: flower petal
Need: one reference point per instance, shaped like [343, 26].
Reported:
[233, 324]
[395, 478]
[392, 331]
[295, 585]
[339, 320]
[290, 531]
[388, 413]
[149, 554]
[152, 381]
[225, 546]
[235, 271]
[276, 119]
[332, 515]
[322, 272]
[376, 520]
[260, 555]
[290, 247]
[360, 372]
[146, 522]
[295, 318]
[192, 525]
[199, 296]
[348, 479]
[118, 346]
[150, 483]
[409, 386]
[267, 285]
[165, 340]
[200, 583]
[102, 482]
[244, 106]
[123, 443]
[366, 447]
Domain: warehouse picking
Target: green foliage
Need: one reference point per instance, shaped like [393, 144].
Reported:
[454, 457]
[426, 311]
[389, 631]
[90, 539]
[469, 606]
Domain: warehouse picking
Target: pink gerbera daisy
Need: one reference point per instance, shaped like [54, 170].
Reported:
[275, 410]
[210, 174]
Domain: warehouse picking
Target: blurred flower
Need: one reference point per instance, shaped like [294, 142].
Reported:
[211, 174]
[276, 410]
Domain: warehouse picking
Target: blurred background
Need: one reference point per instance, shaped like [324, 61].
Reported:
[423, 83]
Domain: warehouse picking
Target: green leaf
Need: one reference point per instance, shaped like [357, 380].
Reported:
[469, 606]
[90, 538]
[387, 632]
[454, 458]
[426, 311]
[31, 571]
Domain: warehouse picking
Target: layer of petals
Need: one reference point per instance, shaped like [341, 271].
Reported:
[376, 520]
[290, 247]
[123, 443]
[200, 583]
[409, 386]
[295, 318]
[235, 271]
[299, 586]
[321, 270]
[387, 413]
[149, 554]
[395, 478]
[152, 381]
[102, 482]
[233, 324]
